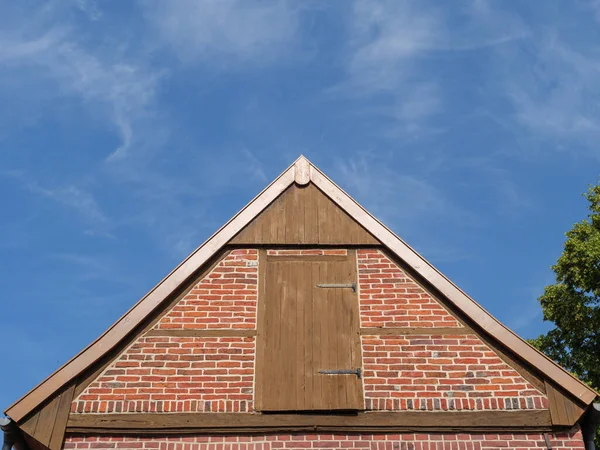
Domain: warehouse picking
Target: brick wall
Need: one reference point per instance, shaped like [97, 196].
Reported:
[418, 372]
[463, 441]
[224, 299]
[390, 298]
[189, 374]
[175, 374]
[429, 372]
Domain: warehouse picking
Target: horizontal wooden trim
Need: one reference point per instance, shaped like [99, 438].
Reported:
[401, 331]
[202, 333]
[405, 421]
[306, 258]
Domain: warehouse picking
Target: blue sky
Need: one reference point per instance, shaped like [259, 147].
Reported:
[130, 131]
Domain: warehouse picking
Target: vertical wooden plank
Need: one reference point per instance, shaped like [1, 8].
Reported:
[322, 219]
[316, 395]
[289, 217]
[299, 206]
[280, 335]
[290, 347]
[574, 411]
[304, 215]
[300, 334]
[556, 405]
[62, 415]
[311, 215]
[261, 329]
[309, 368]
[563, 411]
[339, 315]
[30, 424]
[45, 425]
[32, 444]
[251, 231]
[269, 226]
[280, 217]
[328, 381]
[356, 395]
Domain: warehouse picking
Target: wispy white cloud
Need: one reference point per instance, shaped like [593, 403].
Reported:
[73, 197]
[402, 199]
[76, 199]
[225, 34]
[594, 7]
[119, 83]
[114, 84]
[90, 8]
[392, 47]
[387, 42]
[406, 202]
[555, 91]
[542, 88]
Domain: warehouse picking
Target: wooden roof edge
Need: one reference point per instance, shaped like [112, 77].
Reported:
[453, 293]
[138, 312]
[301, 172]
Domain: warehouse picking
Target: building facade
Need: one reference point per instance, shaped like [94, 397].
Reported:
[305, 323]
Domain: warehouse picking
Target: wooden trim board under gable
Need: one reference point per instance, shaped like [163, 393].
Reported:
[139, 313]
[372, 422]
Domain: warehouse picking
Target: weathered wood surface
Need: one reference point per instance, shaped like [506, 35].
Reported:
[563, 410]
[182, 423]
[304, 215]
[47, 426]
[306, 329]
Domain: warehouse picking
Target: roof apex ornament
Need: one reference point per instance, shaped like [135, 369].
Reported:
[302, 171]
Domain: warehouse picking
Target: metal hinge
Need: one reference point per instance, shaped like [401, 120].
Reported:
[338, 285]
[356, 372]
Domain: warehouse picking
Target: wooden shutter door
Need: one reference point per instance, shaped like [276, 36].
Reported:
[306, 329]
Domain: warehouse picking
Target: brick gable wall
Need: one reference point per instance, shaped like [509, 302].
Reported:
[427, 372]
[390, 298]
[175, 374]
[189, 374]
[433, 441]
[216, 374]
[224, 299]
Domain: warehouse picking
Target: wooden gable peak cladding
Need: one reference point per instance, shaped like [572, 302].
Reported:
[303, 215]
[301, 173]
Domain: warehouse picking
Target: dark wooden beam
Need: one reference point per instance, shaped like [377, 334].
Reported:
[402, 331]
[194, 423]
[203, 333]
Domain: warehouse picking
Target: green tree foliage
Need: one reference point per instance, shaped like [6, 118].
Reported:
[573, 302]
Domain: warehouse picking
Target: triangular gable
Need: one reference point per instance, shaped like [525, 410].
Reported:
[302, 172]
[303, 215]
[208, 337]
